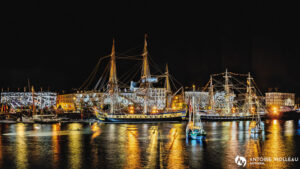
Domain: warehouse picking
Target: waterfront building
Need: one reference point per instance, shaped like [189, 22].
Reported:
[66, 102]
[25, 99]
[77, 101]
[278, 101]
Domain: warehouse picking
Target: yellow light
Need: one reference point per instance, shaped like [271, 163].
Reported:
[131, 109]
[154, 109]
[233, 109]
[275, 110]
[252, 109]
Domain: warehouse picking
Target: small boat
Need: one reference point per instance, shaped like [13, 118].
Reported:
[198, 134]
[45, 119]
[194, 129]
[258, 128]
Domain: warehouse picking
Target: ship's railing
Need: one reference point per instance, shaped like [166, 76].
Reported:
[145, 116]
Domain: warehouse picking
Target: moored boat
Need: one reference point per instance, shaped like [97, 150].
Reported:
[45, 119]
[167, 116]
[146, 102]
[231, 96]
[194, 128]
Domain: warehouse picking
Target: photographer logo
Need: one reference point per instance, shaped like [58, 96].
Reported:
[240, 161]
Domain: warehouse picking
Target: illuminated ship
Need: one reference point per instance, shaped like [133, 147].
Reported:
[232, 96]
[142, 103]
[194, 128]
[259, 127]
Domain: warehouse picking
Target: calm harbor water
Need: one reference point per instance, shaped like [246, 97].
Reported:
[160, 145]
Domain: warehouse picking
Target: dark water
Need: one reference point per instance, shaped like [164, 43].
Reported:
[161, 145]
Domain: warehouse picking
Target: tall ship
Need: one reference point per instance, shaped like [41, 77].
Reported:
[143, 100]
[232, 96]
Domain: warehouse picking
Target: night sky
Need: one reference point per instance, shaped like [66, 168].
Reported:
[56, 45]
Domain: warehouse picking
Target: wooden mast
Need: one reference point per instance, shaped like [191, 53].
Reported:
[145, 83]
[113, 82]
[211, 94]
[227, 93]
[249, 93]
[145, 69]
[33, 104]
[167, 86]
[193, 102]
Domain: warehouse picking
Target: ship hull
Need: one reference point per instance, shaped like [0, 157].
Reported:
[227, 118]
[143, 120]
[135, 118]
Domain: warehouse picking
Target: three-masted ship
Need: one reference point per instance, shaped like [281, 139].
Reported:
[229, 98]
[143, 104]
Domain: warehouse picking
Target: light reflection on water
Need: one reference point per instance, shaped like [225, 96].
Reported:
[161, 145]
[55, 145]
[132, 148]
[175, 148]
[75, 145]
[21, 147]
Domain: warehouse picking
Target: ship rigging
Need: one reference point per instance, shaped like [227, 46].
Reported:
[143, 102]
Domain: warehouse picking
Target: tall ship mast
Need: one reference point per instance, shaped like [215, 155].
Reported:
[228, 94]
[146, 76]
[167, 87]
[211, 95]
[249, 102]
[113, 82]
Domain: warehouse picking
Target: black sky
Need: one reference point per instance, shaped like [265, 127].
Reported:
[57, 44]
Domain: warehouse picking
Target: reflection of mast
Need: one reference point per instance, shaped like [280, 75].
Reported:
[113, 82]
[227, 93]
[167, 86]
[211, 95]
[145, 83]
